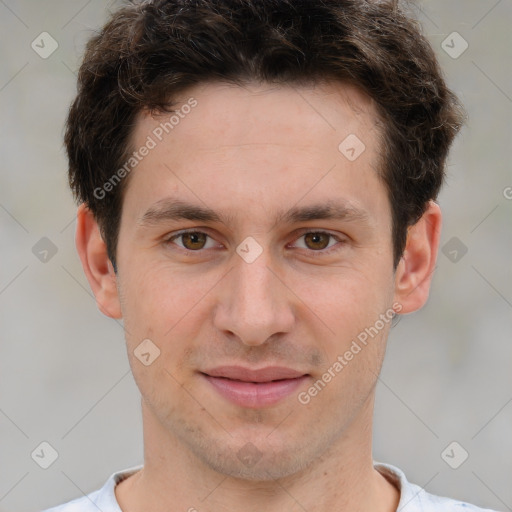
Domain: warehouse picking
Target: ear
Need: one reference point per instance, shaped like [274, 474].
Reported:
[414, 272]
[96, 263]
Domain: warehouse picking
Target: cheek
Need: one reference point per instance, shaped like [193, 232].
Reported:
[348, 301]
[167, 307]
[160, 309]
[154, 300]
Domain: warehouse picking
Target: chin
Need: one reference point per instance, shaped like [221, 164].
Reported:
[267, 467]
[256, 460]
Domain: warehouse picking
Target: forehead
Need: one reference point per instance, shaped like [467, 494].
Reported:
[320, 104]
[259, 139]
[325, 106]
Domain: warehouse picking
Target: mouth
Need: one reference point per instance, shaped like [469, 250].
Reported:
[251, 388]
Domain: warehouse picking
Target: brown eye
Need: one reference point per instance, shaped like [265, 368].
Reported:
[317, 241]
[193, 241]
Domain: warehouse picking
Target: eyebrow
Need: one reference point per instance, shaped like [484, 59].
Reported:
[170, 209]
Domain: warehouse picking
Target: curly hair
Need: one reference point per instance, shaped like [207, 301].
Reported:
[150, 51]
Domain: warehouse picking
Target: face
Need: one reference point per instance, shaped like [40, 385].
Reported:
[253, 252]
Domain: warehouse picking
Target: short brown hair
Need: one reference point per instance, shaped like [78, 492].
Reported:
[150, 51]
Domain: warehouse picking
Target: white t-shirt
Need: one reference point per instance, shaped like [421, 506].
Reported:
[412, 497]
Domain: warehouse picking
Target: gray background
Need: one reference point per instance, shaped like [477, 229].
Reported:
[64, 374]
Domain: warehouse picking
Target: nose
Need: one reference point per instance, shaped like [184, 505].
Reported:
[254, 303]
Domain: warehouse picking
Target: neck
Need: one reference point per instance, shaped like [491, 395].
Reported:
[173, 478]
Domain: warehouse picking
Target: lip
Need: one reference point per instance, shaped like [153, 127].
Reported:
[252, 388]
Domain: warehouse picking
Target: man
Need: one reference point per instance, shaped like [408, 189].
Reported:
[256, 181]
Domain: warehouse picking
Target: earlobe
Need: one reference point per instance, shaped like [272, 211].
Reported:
[96, 263]
[414, 272]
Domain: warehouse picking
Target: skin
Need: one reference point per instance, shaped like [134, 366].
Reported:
[258, 150]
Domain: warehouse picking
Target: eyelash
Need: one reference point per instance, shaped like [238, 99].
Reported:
[320, 252]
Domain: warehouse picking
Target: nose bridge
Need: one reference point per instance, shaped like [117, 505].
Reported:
[254, 281]
[255, 305]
